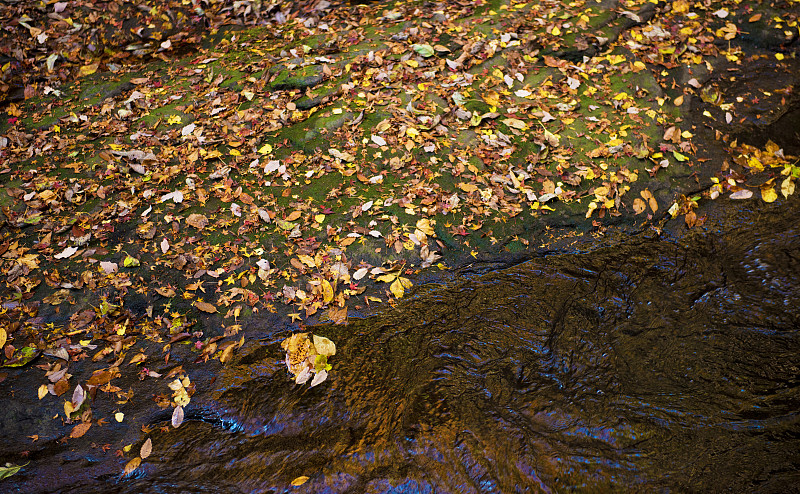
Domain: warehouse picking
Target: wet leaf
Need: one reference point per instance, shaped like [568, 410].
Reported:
[80, 429]
[131, 466]
[320, 377]
[146, 449]
[177, 417]
[324, 346]
[742, 194]
[300, 480]
[787, 187]
[327, 292]
[768, 194]
[3, 337]
[8, 470]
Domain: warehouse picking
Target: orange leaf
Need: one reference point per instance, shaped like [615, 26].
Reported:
[80, 429]
[132, 465]
[205, 307]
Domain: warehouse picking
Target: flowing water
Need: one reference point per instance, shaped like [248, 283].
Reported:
[651, 366]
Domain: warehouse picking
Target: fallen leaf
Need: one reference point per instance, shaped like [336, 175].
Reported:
[131, 466]
[177, 417]
[80, 429]
[299, 480]
[109, 267]
[639, 206]
[768, 194]
[205, 307]
[164, 246]
[198, 221]
[327, 292]
[742, 194]
[68, 252]
[787, 188]
[146, 449]
[8, 470]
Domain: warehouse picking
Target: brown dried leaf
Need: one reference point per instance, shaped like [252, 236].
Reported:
[205, 307]
[198, 221]
[80, 429]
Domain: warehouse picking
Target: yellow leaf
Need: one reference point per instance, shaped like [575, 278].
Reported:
[515, 123]
[42, 391]
[327, 292]
[3, 337]
[397, 288]
[386, 278]
[319, 218]
[132, 465]
[492, 98]
[307, 260]
[205, 307]
[299, 480]
[639, 206]
[467, 187]
[265, 149]
[119, 416]
[769, 194]
[424, 225]
[89, 69]
[174, 119]
[787, 188]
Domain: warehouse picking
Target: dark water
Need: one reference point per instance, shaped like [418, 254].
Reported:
[653, 366]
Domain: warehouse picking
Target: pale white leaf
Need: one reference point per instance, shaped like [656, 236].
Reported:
[164, 246]
[177, 416]
[68, 252]
[109, 267]
[319, 378]
[742, 194]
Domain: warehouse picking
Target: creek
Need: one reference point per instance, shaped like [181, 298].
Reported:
[653, 365]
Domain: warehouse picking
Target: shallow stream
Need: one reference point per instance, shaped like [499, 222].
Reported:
[655, 365]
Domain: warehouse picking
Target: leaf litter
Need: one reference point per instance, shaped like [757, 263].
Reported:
[194, 188]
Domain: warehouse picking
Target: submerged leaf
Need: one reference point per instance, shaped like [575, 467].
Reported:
[177, 417]
[324, 346]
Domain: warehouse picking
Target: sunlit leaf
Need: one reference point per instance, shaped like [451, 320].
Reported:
[397, 288]
[130, 262]
[768, 194]
[327, 292]
[131, 466]
[324, 346]
[300, 480]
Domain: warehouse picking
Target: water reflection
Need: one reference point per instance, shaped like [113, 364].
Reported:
[653, 366]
